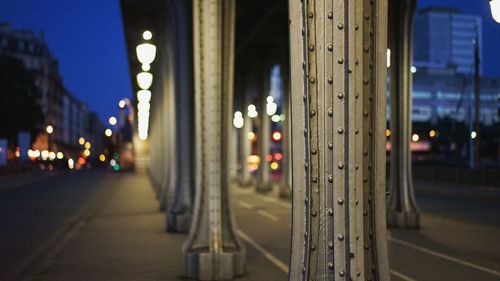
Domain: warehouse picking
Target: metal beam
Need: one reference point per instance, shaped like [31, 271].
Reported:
[402, 209]
[338, 81]
[213, 250]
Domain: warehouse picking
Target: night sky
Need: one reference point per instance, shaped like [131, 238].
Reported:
[87, 38]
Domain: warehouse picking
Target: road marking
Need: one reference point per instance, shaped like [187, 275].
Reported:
[268, 215]
[274, 260]
[444, 256]
[245, 205]
[402, 276]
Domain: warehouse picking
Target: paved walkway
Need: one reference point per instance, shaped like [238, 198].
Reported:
[124, 239]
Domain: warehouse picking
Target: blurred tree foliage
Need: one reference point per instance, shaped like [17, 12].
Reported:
[20, 108]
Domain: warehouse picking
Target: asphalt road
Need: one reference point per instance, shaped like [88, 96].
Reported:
[459, 238]
[35, 215]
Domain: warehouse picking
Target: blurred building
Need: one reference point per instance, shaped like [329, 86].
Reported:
[444, 39]
[68, 116]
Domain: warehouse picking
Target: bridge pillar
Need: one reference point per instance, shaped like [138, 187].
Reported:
[402, 209]
[264, 183]
[178, 213]
[213, 250]
[338, 110]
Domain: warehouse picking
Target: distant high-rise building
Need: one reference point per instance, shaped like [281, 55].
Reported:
[443, 38]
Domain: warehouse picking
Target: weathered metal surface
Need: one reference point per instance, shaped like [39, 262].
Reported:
[179, 208]
[402, 209]
[213, 251]
[264, 183]
[338, 79]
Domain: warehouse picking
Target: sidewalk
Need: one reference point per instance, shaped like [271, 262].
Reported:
[124, 239]
[465, 191]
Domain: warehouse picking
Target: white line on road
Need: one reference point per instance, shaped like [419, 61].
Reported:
[444, 256]
[245, 205]
[402, 276]
[274, 260]
[268, 215]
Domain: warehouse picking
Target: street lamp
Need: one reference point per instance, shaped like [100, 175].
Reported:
[108, 133]
[121, 104]
[112, 120]
[144, 80]
[495, 10]
[49, 129]
[146, 54]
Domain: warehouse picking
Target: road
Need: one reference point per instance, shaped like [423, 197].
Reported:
[459, 238]
[34, 216]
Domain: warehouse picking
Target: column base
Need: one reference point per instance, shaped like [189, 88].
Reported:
[408, 220]
[245, 182]
[285, 191]
[179, 223]
[264, 187]
[211, 266]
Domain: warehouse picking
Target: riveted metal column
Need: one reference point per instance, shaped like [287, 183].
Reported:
[264, 183]
[245, 178]
[213, 251]
[179, 207]
[338, 77]
[402, 209]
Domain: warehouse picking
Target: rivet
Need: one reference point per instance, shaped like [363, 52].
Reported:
[313, 247]
[329, 80]
[365, 180]
[306, 165]
[365, 152]
[365, 213]
[340, 95]
[341, 165]
[342, 273]
[340, 60]
[312, 80]
[314, 151]
[314, 213]
[330, 15]
[330, 212]
[306, 199]
[314, 179]
[330, 265]
[340, 130]
[330, 178]
[330, 245]
[340, 237]
[340, 26]
[366, 49]
[330, 47]
[356, 166]
[367, 17]
[358, 273]
[312, 113]
[330, 112]
[310, 15]
[330, 146]
[356, 131]
[311, 48]
[356, 95]
[365, 81]
[340, 201]
[305, 132]
[356, 26]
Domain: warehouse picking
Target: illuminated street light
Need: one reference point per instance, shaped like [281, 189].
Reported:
[495, 10]
[271, 106]
[473, 134]
[71, 164]
[413, 69]
[432, 133]
[60, 155]
[415, 137]
[102, 157]
[144, 80]
[144, 96]
[388, 58]
[147, 35]
[112, 121]
[121, 104]
[252, 111]
[49, 129]
[146, 53]
[275, 118]
[238, 121]
[88, 145]
[276, 136]
[81, 141]
[108, 133]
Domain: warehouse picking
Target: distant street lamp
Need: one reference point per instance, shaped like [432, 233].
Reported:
[121, 104]
[495, 10]
[112, 121]
[49, 129]
[144, 80]
[108, 133]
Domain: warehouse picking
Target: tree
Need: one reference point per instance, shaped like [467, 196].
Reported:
[20, 108]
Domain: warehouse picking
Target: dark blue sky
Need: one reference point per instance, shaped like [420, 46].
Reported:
[87, 38]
